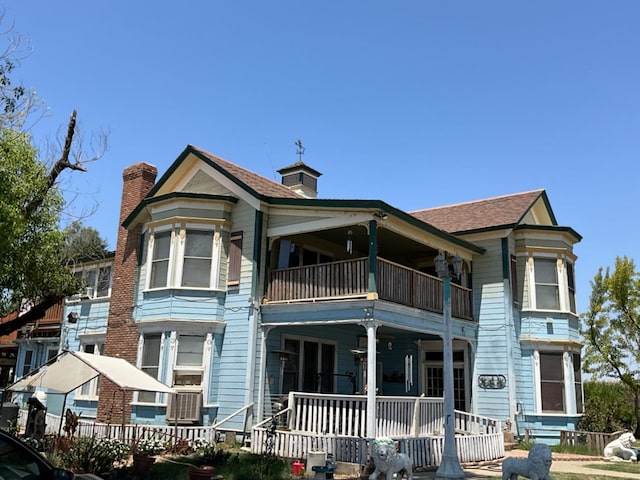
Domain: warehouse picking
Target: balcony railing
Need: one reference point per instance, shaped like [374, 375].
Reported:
[349, 279]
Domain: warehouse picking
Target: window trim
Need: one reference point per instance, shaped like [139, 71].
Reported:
[569, 384]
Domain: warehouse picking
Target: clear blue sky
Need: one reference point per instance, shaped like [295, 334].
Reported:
[418, 103]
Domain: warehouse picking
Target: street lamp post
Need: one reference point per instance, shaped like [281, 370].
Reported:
[450, 465]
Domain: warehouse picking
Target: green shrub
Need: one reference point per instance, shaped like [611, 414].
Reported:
[608, 408]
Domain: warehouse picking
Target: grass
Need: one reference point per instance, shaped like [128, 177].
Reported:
[241, 466]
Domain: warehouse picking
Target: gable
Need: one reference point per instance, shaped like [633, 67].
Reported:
[201, 182]
[488, 214]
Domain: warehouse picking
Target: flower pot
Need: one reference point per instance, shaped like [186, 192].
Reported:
[142, 463]
[201, 473]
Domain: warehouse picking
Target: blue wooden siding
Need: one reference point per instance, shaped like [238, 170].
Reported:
[492, 355]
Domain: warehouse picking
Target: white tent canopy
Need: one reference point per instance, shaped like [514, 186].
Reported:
[70, 370]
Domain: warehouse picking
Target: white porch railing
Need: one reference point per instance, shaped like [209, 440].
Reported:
[337, 424]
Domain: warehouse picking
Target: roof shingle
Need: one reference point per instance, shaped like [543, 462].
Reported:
[254, 181]
[480, 214]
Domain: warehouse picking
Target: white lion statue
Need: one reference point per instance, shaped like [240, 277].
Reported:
[620, 449]
[388, 461]
[535, 467]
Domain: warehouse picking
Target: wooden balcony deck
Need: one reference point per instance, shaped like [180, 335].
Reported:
[349, 279]
[336, 424]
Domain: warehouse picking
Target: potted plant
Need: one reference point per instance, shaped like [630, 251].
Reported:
[144, 452]
[206, 458]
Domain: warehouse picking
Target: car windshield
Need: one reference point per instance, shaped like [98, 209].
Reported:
[17, 463]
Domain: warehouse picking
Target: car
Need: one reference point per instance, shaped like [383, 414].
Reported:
[18, 461]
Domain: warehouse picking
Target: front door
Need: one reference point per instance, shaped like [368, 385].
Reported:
[432, 372]
[312, 367]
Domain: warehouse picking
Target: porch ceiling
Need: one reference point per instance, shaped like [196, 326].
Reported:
[391, 245]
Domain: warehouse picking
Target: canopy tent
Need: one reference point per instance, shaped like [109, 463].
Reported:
[70, 370]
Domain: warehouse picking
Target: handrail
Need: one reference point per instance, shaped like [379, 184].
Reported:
[229, 417]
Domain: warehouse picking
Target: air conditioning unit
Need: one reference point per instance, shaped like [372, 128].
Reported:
[88, 292]
[184, 407]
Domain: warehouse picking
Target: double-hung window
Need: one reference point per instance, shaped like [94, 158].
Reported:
[571, 284]
[552, 382]
[189, 361]
[559, 380]
[546, 284]
[95, 280]
[184, 256]
[198, 255]
[28, 362]
[160, 259]
[150, 363]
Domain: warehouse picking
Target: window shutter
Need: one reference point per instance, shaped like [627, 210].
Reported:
[235, 259]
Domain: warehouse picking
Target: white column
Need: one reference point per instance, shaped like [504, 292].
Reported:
[371, 379]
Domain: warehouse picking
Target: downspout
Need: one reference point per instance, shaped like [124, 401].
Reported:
[509, 326]
[263, 373]
[253, 316]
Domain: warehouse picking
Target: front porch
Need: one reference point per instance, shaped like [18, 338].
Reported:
[337, 424]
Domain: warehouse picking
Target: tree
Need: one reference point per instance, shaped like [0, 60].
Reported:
[81, 244]
[612, 329]
[33, 272]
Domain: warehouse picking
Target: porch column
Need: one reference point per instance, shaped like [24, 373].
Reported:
[373, 259]
[371, 377]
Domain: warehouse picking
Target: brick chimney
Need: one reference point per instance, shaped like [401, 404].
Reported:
[122, 333]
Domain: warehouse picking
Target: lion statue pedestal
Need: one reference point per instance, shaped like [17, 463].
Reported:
[535, 467]
[620, 450]
[388, 461]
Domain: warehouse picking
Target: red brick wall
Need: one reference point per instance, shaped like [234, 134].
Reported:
[122, 333]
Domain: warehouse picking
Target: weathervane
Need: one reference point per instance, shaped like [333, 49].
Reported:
[300, 149]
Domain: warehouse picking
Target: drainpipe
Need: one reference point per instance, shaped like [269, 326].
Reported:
[263, 373]
[253, 317]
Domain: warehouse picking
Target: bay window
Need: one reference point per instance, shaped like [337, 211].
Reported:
[184, 256]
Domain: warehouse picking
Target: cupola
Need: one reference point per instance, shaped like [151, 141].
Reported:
[300, 177]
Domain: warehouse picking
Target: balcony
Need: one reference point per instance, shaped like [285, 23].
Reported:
[350, 279]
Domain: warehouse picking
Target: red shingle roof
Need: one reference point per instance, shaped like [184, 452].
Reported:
[480, 214]
[254, 181]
